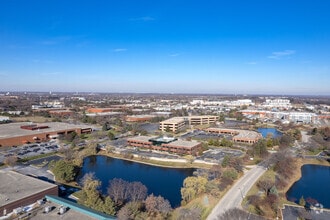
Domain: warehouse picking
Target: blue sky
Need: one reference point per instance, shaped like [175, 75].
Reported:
[166, 46]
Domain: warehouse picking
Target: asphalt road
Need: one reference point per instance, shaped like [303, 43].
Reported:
[234, 197]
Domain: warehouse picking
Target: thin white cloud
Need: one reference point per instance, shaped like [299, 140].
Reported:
[281, 54]
[145, 18]
[251, 63]
[119, 50]
[174, 54]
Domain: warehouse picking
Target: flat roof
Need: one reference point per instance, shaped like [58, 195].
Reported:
[185, 144]
[15, 186]
[140, 116]
[173, 120]
[246, 134]
[163, 139]
[240, 134]
[15, 130]
[141, 138]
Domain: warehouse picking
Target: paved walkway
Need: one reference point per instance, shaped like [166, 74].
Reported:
[234, 197]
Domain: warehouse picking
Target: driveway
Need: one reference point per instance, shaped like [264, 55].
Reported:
[234, 197]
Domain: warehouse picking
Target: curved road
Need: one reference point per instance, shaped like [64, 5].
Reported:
[234, 197]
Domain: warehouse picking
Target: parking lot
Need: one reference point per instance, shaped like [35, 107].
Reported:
[202, 135]
[294, 212]
[217, 155]
[29, 150]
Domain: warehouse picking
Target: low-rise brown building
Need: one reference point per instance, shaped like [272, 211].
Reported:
[239, 136]
[167, 144]
[25, 132]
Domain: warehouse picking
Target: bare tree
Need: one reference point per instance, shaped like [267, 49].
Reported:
[156, 204]
[265, 185]
[117, 190]
[10, 161]
[137, 191]
[193, 213]
[238, 214]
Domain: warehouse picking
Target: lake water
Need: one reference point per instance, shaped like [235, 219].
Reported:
[166, 182]
[314, 183]
[273, 131]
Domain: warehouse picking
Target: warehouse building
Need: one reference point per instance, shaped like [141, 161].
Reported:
[18, 191]
[14, 134]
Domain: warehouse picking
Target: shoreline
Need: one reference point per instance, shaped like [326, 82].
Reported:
[177, 165]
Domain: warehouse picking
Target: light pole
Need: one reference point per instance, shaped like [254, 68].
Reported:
[241, 192]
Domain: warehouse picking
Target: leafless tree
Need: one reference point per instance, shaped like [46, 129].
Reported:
[238, 214]
[10, 161]
[117, 190]
[137, 191]
[193, 213]
[155, 204]
[265, 185]
[122, 191]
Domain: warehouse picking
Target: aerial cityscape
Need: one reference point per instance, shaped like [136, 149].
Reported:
[164, 110]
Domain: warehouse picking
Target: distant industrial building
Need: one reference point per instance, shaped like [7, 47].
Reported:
[4, 119]
[18, 190]
[296, 117]
[177, 124]
[139, 118]
[235, 103]
[115, 108]
[277, 103]
[61, 113]
[167, 144]
[25, 132]
[239, 136]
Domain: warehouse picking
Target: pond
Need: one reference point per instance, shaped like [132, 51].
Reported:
[314, 184]
[166, 182]
[265, 131]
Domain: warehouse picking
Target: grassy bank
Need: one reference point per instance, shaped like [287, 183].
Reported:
[168, 164]
[270, 175]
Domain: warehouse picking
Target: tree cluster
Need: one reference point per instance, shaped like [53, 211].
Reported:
[122, 191]
[259, 149]
[192, 187]
[224, 142]
[320, 139]
[64, 170]
[128, 200]
[268, 201]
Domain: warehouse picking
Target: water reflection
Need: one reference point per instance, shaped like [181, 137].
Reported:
[166, 182]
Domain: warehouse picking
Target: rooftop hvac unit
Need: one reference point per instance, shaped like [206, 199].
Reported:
[18, 210]
[62, 210]
[40, 201]
[47, 209]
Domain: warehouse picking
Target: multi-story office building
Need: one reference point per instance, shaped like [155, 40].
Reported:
[173, 124]
[177, 124]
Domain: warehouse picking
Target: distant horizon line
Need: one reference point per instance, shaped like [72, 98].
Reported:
[171, 93]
